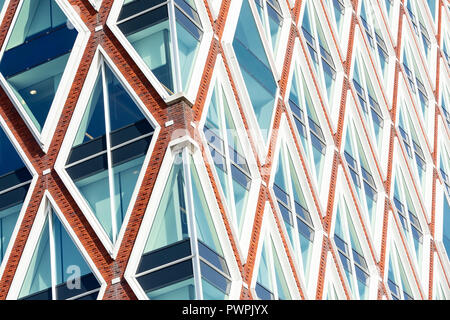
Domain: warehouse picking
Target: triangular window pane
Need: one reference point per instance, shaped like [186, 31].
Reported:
[36, 55]
[72, 274]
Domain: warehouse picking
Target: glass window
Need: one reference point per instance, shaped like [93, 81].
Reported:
[255, 68]
[271, 16]
[294, 209]
[228, 155]
[307, 123]
[271, 282]
[109, 150]
[57, 270]
[360, 172]
[350, 252]
[336, 9]
[319, 49]
[166, 35]
[375, 37]
[397, 281]
[416, 83]
[407, 215]
[42, 28]
[368, 100]
[412, 145]
[167, 269]
[15, 180]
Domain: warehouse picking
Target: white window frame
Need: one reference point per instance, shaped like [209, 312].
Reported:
[332, 278]
[344, 34]
[102, 57]
[45, 208]
[44, 137]
[278, 56]
[187, 147]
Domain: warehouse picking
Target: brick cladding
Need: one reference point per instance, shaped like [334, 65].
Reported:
[182, 115]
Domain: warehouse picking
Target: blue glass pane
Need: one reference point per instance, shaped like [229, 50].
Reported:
[38, 276]
[68, 258]
[93, 123]
[149, 34]
[123, 110]
[255, 68]
[170, 224]
[206, 231]
[41, 28]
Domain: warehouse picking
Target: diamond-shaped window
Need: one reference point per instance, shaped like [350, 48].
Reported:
[35, 57]
[230, 152]
[57, 269]
[166, 35]
[15, 180]
[108, 151]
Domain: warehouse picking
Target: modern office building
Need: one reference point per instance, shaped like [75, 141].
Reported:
[234, 149]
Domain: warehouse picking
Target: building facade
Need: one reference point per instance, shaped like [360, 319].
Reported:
[234, 149]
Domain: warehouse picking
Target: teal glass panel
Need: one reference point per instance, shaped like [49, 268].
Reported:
[42, 28]
[283, 290]
[184, 290]
[8, 219]
[170, 223]
[255, 68]
[125, 178]
[67, 256]
[149, 34]
[188, 46]
[206, 231]
[446, 227]
[95, 189]
[123, 111]
[38, 276]
[93, 123]
[263, 270]
[210, 292]
[15, 180]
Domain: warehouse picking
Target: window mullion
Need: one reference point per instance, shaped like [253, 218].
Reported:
[190, 215]
[108, 153]
[52, 252]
